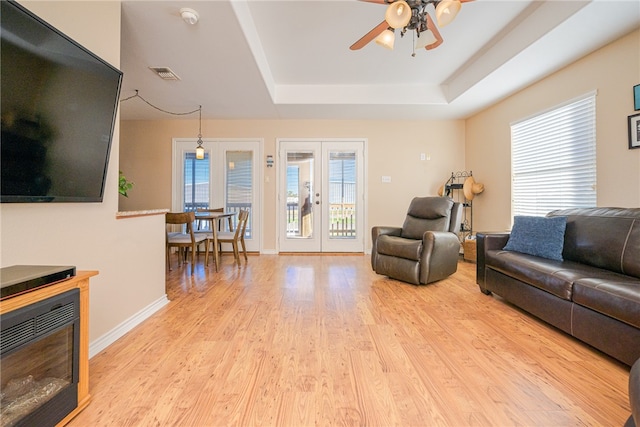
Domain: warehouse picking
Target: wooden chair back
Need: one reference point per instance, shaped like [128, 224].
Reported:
[237, 237]
[180, 218]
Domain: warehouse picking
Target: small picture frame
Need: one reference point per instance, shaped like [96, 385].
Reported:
[636, 97]
[634, 131]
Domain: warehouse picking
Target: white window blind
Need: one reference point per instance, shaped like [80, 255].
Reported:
[240, 184]
[553, 157]
[196, 182]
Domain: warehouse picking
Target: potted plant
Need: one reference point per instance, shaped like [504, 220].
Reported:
[124, 185]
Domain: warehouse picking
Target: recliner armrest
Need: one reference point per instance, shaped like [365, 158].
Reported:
[439, 256]
[380, 230]
[434, 240]
[376, 232]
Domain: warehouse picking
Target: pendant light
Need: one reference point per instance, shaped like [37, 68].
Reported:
[200, 148]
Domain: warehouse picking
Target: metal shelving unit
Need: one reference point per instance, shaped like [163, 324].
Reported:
[453, 188]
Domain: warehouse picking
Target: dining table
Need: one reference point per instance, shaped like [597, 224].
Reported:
[215, 222]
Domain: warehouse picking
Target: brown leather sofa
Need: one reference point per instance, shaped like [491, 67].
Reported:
[426, 248]
[592, 294]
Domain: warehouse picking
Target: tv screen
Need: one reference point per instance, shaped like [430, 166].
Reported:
[59, 104]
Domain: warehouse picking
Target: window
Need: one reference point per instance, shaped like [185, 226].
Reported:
[342, 194]
[553, 158]
[239, 192]
[196, 182]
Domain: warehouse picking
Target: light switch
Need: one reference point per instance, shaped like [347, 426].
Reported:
[386, 178]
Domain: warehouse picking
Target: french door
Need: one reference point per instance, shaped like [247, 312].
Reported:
[227, 177]
[321, 195]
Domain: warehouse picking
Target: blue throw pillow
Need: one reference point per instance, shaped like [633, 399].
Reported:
[539, 236]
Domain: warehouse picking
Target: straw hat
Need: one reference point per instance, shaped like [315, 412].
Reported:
[470, 188]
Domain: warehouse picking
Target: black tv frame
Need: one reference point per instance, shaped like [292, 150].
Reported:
[46, 198]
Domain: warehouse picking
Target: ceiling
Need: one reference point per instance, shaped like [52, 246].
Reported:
[263, 59]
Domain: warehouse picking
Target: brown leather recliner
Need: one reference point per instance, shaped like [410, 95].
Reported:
[426, 248]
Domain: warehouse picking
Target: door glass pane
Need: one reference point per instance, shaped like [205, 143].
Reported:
[300, 167]
[196, 182]
[239, 165]
[342, 195]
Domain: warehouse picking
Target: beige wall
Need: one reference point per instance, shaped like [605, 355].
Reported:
[129, 254]
[394, 149]
[611, 71]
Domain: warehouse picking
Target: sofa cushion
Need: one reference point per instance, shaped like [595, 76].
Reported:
[540, 236]
[555, 277]
[427, 214]
[614, 295]
[400, 247]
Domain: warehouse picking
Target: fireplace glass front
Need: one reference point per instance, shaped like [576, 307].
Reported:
[39, 360]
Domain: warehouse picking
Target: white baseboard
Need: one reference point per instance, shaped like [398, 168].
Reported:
[110, 337]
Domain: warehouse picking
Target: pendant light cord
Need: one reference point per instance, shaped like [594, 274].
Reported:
[137, 95]
[200, 124]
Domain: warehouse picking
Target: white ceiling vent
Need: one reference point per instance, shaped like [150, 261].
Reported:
[165, 73]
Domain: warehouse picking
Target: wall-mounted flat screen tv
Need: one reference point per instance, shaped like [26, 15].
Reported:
[59, 104]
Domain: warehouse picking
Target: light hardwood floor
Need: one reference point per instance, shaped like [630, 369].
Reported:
[322, 340]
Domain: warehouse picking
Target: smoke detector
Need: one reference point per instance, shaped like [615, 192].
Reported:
[165, 73]
[189, 16]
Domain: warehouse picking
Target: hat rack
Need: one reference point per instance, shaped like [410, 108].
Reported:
[462, 188]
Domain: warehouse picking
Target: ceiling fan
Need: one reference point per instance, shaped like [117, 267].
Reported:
[411, 15]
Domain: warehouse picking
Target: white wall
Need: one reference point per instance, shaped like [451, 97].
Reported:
[128, 253]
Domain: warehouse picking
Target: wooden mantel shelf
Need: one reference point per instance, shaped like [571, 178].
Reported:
[81, 282]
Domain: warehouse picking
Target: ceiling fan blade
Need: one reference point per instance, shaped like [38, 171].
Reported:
[370, 36]
[432, 27]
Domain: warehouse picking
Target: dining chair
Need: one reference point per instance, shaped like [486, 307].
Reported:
[184, 240]
[235, 237]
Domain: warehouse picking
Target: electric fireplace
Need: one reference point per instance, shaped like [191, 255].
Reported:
[39, 355]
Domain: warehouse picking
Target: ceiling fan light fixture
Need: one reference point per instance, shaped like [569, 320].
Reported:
[398, 14]
[386, 38]
[446, 11]
[424, 39]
